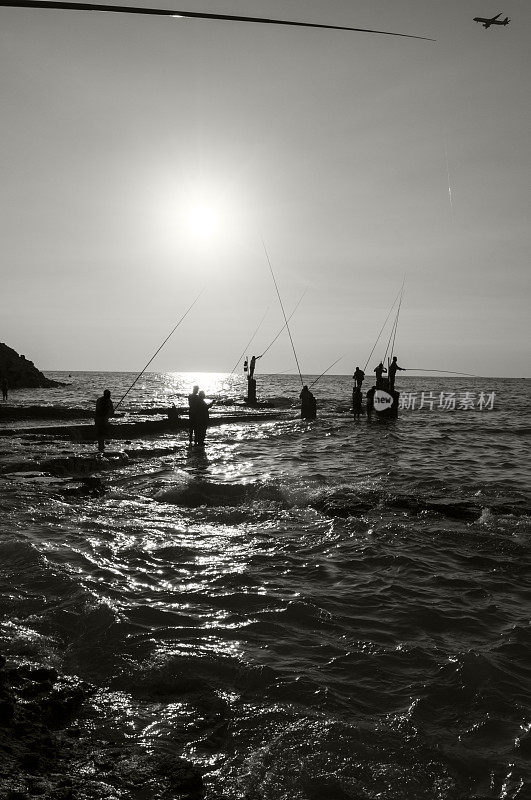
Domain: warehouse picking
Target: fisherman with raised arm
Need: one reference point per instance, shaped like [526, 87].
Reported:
[358, 377]
[252, 365]
[393, 366]
[104, 410]
[379, 370]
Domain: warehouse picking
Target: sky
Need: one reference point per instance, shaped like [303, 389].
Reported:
[145, 160]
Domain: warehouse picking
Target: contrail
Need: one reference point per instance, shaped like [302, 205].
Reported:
[166, 12]
[449, 182]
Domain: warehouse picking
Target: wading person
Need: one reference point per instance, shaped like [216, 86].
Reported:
[192, 405]
[202, 418]
[370, 401]
[308, 404]
[104, 410]
[356, 401]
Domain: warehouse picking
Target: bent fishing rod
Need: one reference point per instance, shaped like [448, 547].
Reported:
[283, 312]
[160, 348]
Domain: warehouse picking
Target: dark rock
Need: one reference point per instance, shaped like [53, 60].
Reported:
[21, 373]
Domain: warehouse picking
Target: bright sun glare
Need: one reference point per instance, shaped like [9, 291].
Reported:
[203, 219]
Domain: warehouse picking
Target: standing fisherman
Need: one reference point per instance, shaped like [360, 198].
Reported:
[358, 377]
[393, 366]
[4, 386]
[379, 370]
[201, 418]
[192, 408]
[252, 365]
[104, 410]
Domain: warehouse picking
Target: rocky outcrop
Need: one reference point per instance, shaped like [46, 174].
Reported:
[21, 373]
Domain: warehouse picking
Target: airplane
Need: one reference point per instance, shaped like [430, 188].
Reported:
[486, 22]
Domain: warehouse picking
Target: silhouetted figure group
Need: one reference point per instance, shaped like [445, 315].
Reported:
[385, 384]
[198, 416]
[104, 410]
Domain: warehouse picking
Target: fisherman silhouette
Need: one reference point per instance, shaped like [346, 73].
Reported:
[358, 377]
[173, 413]
[393, 366]
[370, 401]
[192, 403]
[245, 365]
[308, 404]
[252, 365]
[4, 386]
[201, 418]
[380, 369]
[104, 410]
[356, 401]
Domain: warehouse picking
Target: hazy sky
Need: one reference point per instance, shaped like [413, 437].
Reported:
[143, 158]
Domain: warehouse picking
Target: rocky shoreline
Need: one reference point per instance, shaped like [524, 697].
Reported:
[49, 748]
[21, 373]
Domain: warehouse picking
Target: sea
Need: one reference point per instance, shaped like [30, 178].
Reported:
[335, 609]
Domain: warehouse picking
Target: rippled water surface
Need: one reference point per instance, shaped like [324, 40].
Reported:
[306, 610]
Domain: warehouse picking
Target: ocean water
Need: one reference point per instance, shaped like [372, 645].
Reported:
[306, 610]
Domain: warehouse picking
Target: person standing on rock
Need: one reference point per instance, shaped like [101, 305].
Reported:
[104, 410]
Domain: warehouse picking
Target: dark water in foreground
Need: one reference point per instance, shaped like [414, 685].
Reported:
[307, 610]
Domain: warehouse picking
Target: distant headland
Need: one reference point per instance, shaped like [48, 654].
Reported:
[21, 373]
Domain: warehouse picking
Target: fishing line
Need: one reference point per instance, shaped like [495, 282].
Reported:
[326, 370]
[381, 329]
[283, 312]
[447, 371]
[249, 343]
[282, 328]
[160, 348]
[396, 322]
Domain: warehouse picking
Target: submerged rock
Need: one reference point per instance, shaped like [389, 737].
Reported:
[50, 747]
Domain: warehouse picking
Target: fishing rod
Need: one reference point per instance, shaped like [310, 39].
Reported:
[395, 326]
[326, 370]
[249, 343]
[447, 371]
[282, 328]
[283, 312]
[160, 348]
[381, 329]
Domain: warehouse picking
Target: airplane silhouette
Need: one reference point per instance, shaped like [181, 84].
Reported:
[486, 22]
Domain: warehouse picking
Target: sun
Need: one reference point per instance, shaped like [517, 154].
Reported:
[203, 219]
